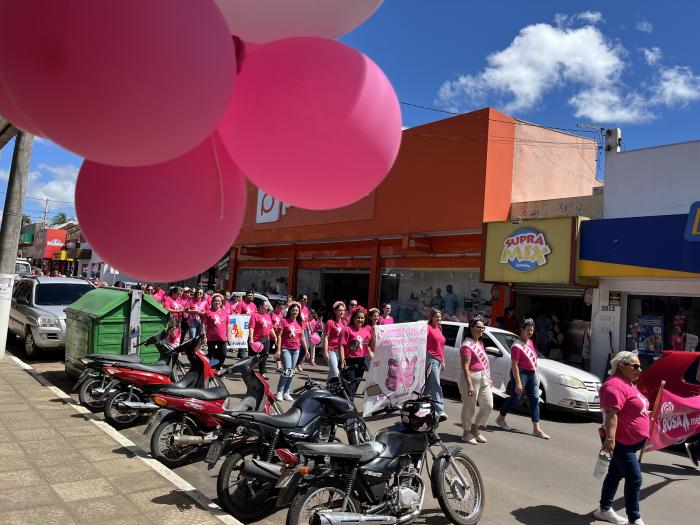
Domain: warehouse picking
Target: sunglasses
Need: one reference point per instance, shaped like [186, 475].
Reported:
[636, 366]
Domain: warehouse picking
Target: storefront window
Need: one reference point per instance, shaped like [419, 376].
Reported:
[412, 293]
[656, 323]
[263, 280]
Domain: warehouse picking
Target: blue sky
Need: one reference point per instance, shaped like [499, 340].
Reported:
[633, 65]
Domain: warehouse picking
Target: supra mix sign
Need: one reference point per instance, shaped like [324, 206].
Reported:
[526, 249]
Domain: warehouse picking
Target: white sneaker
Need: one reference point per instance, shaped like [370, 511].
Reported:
[278, 396]
[638, 521]
[481, 439]
[288, 397]
[610, 516]
[469, 438]
[501, 422]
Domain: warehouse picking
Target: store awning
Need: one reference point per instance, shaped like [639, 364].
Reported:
[549, 290]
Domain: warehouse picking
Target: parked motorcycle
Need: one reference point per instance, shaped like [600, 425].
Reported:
[185, 423]
[315, 416]
[130, 387]
[92, 382]
[380, 481]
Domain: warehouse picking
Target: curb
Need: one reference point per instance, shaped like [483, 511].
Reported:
[172, 477]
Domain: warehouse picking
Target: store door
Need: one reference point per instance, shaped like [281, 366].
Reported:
[344, 286]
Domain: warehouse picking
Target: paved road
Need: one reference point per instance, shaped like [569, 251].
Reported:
[528, 480]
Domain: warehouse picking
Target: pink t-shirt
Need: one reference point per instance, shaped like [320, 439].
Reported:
[356, 342]
[291, 334]
[436, 343]
[172, 304]
[208, 299]
[632, 409]
[200, 306]
[276, 320]
[247, 308]
[304, 317]
[216, 323]
[334, 330]
[185, 302]
[524, 354]
[159, 295]
[474, 350]
[386, 320]
[261, 324]
[314, 325]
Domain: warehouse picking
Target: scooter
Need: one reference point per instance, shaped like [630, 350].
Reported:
[131, 385]
[185, 423]
[92, 381]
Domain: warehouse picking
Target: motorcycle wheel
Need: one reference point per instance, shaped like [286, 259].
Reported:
[463, 505]
[87, 398]
[161, 448]
[234, 490]
[314, 499]
[121, 417]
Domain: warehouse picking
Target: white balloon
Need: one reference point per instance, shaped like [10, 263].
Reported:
[260, 21]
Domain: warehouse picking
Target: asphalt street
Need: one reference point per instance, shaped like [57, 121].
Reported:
[528, 480]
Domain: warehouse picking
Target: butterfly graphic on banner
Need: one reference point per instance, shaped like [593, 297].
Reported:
[401, 373]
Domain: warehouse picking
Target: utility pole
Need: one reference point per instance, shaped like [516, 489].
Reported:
[11, 226]
[46, 213]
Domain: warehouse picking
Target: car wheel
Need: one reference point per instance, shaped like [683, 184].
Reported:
[30, 348]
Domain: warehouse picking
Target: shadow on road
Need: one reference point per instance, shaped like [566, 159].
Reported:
[674, 470]
[540, 514]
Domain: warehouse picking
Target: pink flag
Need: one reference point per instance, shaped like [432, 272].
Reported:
[678, 418]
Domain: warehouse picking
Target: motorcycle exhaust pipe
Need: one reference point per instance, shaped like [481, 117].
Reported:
[188, 441]
[351, 518]
[262, 470]
[134, 405]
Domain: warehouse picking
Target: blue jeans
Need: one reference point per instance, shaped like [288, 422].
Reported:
[531, 388]
[195, 329]
[624, 464]
[432, 382]
[289, 361]
[333, 370]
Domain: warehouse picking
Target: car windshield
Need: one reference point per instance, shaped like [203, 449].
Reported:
[22, 268]
[507, 339]
[56, 294]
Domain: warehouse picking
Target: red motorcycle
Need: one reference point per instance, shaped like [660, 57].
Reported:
[185, 423]
[132, 384]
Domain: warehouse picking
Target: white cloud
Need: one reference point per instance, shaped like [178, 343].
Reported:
[545, 58]
[645, 26]
[676, 86]
[56, 183]
[651, 55]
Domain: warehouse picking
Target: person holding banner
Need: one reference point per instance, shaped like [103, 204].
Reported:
[523, 378]
[356, 344]
[627, 424]
[290, 340]
[435, 361]
[217, 329]
[261, 330]
[475, 383]
[332, 335]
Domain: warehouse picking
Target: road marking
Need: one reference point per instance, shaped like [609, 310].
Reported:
[161, 469]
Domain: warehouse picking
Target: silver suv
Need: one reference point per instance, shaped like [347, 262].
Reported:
[36, 314]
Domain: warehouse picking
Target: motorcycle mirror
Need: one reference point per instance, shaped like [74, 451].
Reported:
[373, 390]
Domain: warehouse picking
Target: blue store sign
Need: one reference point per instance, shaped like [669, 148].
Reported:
[692, 227]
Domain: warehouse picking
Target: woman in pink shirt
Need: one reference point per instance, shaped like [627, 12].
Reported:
[435, 361]
[626, 422]
[277, 317]
[523, 377]
[173, 305]
[314, 326]
[290, 341]
[475, 383]
[332, 335]
[385, 317]
[261, 330]
[217, 329]
[197, 306]
[355, 345]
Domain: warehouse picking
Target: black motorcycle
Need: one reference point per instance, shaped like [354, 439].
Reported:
[92, 382]
[248, 493]
[380, 481]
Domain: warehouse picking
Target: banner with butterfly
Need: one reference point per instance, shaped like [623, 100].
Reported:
[398, 367]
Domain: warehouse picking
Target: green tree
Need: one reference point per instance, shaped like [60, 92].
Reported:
[59, 218]
[26, 219]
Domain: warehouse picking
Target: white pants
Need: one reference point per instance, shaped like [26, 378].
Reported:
[482, 394]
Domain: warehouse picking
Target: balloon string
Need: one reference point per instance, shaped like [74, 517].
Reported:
[221, 180]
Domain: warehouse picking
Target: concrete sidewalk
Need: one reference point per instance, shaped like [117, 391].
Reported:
[57, 466]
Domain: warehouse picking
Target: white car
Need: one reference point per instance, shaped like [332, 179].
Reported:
[562, 386]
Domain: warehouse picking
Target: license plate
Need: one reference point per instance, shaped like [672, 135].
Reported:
[214, 452]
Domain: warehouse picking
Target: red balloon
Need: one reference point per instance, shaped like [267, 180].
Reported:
[164, 222]
[127, 82]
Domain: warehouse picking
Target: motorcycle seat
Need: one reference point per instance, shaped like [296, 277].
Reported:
[121, 358]
[363, 453]
[203, 394]
[289, 419]
[154, 368]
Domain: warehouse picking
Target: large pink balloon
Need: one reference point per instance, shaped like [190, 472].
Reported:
[127, 83]
[313, 122]
[11, 112]
[261, 21]
[164, 222]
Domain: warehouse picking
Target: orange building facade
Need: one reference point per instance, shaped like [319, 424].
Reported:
[422, 228]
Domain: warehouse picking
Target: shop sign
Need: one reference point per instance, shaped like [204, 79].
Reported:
[269, 208]
[525, 250]
[614, 298]
[692, 227]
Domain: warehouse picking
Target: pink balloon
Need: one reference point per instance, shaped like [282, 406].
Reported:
[315, 339]
[127, 83]
[258, 347]
[313, 122]
[11, 112]
[144, 221]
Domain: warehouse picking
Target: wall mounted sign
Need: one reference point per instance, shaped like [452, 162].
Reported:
[692, 227]
[525, 250]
